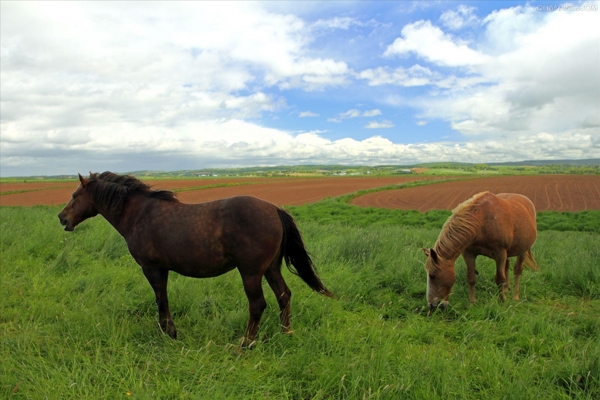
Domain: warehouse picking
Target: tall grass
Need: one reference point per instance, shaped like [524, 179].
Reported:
[78, 320]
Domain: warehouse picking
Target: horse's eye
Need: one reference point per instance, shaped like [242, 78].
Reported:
[431, 276]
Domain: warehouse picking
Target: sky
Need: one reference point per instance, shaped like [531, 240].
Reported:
[130, 86]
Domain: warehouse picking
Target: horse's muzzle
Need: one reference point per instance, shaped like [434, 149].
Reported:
[434, 305]
[65, 222]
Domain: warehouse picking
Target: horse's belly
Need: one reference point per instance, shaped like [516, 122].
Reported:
[201, 271]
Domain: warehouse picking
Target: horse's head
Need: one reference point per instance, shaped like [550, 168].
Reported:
[440, 279]
[79, 208]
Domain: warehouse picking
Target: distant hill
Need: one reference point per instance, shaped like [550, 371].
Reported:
[533, 163]
[336, 169]
[537, 163]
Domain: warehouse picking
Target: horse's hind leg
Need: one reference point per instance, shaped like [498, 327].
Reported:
[501, 280]
[158, 277]
[256, 305]
[507, 273]
[282, 293]
[518, 270]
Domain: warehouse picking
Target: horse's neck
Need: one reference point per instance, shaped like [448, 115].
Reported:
[453, 240]
[133, 209]
[447, 253]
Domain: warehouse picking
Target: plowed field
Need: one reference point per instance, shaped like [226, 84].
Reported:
[548, 192]
[280, 191]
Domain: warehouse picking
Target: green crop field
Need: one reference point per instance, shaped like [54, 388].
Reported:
[78, 319]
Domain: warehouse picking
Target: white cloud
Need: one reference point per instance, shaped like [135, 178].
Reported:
[435, 46]
[127, 147]
[337, 23]
[540, 74]
[354, 113]
[305, 114]
[463, 16]
[180, 85]
[379, 124]
[158, 62]
[371, 113]
[407, 77]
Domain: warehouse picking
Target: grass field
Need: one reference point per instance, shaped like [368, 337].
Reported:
[78, 320]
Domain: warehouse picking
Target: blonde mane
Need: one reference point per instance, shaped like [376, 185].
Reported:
[459, 230]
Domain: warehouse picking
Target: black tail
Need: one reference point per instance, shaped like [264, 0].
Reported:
[294, 253]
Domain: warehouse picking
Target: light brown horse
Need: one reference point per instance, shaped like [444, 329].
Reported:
[198, 240]
[496, 226]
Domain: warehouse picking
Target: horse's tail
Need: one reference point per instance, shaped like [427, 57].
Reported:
[295, 254]
[530, 261]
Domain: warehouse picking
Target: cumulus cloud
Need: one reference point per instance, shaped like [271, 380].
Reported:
[124, 86]
[539, 73]
[435, 46]
[133, 62]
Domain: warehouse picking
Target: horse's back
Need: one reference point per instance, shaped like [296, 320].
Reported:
[519, 200]
[508, 221]
[521, 209]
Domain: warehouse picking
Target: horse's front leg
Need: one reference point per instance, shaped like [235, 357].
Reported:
[158, 277]
[471, 274]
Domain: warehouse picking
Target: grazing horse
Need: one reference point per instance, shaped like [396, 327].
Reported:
[198, 240]
[496, 226]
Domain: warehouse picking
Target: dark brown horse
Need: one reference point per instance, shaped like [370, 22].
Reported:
[198, 240]
[496, 226]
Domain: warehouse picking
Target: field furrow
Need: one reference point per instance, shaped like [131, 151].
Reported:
[547, 192]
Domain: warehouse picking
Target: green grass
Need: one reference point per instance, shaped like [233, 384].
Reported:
[339, 211]
[78, 320]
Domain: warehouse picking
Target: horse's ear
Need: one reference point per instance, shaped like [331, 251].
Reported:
[433, 254]
[426, 251]
[83, 181]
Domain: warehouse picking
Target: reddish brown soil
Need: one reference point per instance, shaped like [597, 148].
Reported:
[280, 191]
[12, 187]
[548, 192]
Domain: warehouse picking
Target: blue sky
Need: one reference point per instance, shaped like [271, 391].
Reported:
[127, 86]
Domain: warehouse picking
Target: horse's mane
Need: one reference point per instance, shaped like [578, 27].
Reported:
[459, 229]
[112, 190]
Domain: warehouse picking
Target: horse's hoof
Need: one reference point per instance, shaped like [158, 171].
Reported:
[247, 344]
[172, 333]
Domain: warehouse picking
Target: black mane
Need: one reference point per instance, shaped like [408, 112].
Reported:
[112, 190]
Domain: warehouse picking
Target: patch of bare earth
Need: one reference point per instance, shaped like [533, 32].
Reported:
[547, 192]
[280, 191]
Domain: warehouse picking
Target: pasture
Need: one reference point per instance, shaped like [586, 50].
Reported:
[78, 320]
